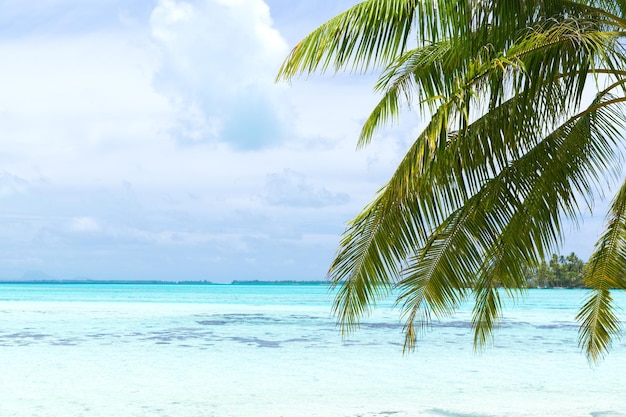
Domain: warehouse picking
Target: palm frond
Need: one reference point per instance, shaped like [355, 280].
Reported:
[370, 33]
[370, 257]
[505, 156]
[450, 79]
[606, 270]
[514, 217]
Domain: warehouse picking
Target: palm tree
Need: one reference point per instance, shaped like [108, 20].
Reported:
[524, 101]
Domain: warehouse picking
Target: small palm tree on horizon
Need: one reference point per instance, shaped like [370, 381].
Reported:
[513, 146]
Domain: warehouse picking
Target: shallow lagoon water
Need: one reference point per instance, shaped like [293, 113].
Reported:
[238, 350]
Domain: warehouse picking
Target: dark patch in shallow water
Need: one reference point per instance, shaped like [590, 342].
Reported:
[25, 335]
[557, 326]
[382, 325]
[211, 322]
[160, 338]
[606, 414]
[454, 324]
[178, 334]
[305, 317]
[64, 342]
[255, 340]
[300, 339]
[102, 335]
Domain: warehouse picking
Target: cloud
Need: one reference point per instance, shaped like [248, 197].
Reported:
[84, 225]
[11, 184]
[123, 147]
[291, 188]
[73, 107]
[218, 62]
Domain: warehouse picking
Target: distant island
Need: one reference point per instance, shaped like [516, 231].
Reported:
[155, 282]
[285, 282]
[559, 272]
[108, 281]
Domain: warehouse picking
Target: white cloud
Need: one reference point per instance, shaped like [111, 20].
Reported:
[84, 225]
[219, 59]
[291, 188]
[11, 184]
[99, 174]
[69, 105]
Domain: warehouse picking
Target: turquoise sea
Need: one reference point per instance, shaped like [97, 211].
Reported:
[114, 350]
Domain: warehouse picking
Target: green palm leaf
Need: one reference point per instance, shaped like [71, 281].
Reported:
[505, 156]
[606, 270]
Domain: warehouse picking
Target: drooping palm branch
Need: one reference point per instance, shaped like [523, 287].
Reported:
[512, 147]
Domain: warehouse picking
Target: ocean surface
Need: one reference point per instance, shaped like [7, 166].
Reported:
[115, 350]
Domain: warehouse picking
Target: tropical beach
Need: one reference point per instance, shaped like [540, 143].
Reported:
[187, 229]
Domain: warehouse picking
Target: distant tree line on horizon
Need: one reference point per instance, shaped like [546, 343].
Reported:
[560, 272]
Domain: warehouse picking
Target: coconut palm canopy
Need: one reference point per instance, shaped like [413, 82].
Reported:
[525, 107]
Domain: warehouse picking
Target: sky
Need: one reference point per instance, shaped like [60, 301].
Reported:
[148, 140]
